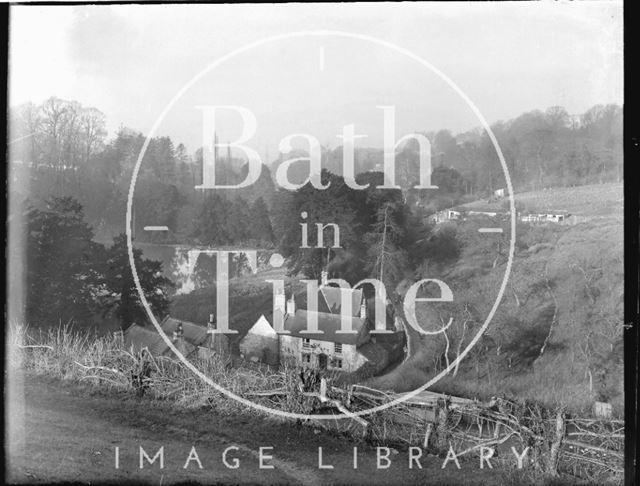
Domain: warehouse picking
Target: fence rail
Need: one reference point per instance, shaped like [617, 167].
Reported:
[589, 448]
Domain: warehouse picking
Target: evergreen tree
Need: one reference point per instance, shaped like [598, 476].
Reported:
[213, 225]
[387, 260]
[122, 298]
[259, 223]
[61, 257]
[337, 205]
[238, 221]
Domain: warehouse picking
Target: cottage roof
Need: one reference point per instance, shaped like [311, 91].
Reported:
[262, 327]
[193, 333]
[330, 300]
[138, 338]
[328, 327]
[184, 347]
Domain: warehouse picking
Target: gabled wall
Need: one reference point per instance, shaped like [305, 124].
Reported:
[261, 344]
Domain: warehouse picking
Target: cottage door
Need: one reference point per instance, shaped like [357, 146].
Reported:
[322, 361]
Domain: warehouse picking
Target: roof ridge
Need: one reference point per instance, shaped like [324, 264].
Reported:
[352, 291]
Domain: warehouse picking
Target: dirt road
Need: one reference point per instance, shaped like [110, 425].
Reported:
[63, 432]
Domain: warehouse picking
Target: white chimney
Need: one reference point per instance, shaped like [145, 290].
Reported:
[324, 278]
[363, 310]
[291, 306]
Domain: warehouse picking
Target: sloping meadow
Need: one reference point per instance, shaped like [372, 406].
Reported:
[556, 337]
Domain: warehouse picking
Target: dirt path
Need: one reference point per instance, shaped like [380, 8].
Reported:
[59, 431]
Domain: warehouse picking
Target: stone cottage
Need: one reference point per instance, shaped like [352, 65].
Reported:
[329, 347]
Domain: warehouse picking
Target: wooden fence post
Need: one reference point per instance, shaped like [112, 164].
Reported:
[427, 435]
[554, 450]
[442, 431]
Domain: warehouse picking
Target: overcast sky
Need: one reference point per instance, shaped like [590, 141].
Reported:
[130, 61]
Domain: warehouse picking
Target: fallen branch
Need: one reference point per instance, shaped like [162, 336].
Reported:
[595, 462]
[112, 370]
[583, 445]
[486, 443]
[271, 393]
[339, 406]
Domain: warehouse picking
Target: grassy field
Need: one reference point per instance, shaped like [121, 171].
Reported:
[591, 200]
[556, 336]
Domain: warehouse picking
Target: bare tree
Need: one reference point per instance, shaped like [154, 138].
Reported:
[53, 113]
[93, 131]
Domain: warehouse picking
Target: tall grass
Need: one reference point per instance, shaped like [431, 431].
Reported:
[103, 361]
[549, 386]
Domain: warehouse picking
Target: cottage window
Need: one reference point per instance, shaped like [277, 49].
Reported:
[337, 347]
[306, 358]
[338, 363]
[306, 343]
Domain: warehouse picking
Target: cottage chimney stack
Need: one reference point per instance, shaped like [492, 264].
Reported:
[291, 306]
[178, 334]
[363, 310]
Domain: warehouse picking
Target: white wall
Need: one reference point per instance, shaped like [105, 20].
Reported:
[292, 348]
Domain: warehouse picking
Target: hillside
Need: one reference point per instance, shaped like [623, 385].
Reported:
[591, 200]
[557, 335]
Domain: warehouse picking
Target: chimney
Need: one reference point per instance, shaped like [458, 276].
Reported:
[324, 278]
[291, 306]
[179, 332]
[363, 310]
